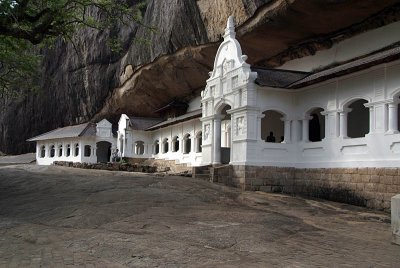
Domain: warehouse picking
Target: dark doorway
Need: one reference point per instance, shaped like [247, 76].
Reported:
[103, 151]
[358, 119]
[316, 126]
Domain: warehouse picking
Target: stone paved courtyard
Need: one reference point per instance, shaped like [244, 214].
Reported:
[56, 216]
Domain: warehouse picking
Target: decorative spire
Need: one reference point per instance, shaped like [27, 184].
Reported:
[230, 28]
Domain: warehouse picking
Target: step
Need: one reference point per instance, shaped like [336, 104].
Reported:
[205, 177]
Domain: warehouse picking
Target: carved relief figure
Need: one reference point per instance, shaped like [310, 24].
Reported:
[239, 125]
[206, 132]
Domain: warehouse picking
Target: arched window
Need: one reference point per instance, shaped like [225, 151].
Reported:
[42, 151]
[199, 141]
[156, 147]
[187, 143]
[316, 125]
[87, 151]
[139, 147]
[272, 126]
[175, 144]
[68, 151]
[60, 150]
[52, 151]
[358, 119]
[165, 146]
[76, 149]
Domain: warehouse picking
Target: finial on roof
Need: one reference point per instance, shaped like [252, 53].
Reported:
[230, 28]
[230, 23]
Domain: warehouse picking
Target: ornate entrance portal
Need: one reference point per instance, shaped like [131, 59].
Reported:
[229, 105]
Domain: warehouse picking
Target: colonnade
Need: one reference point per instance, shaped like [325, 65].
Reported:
[383, 118]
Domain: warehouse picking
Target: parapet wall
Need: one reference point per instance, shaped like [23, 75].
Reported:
[369, 187]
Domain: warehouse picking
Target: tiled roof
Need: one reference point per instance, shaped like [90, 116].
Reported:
[187, 116]
[143, 123]
[356, 65]
[87, 129]
[276, 77]
[173, 103]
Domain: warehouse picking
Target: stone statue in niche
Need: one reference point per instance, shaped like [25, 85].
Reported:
[206, 132]
[239, 125]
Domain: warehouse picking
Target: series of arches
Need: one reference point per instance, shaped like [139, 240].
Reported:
[176, 143]
[52, 151]
[102, 151]
[355, 111]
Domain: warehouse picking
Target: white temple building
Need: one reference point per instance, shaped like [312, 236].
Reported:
[85, 143]
[338, 108]
[344, 116]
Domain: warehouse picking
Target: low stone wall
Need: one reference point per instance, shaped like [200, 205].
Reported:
[396, 219]
[109, 166]
[168, 164]
[370, 187]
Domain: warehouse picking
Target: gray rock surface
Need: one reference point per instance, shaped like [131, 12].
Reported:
[93, 83]
[56, 217]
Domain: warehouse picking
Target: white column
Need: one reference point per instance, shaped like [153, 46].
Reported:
[327, 124]
[343, 124]
[259, 130]
[306, 122]
[217, 140]
[393, 125]
[296, 133]
[337, 125]
[286, 138]
[371, 119]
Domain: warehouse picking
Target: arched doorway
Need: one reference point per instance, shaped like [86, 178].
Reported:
[358, 119]
[222, 136]
[103, 151]
[139, 147]
[187, 144]
[199, 140]
[272, 126]
[316, 127]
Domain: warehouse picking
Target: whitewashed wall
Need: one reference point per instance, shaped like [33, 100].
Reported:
[47, 160]
[232, 83]
[191, 127]
[379, 85]
[103, 133]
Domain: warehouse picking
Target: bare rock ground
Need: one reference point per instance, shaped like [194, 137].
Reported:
[17, 159]
[57, 216]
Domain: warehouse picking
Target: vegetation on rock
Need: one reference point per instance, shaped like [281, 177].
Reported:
[26, 26]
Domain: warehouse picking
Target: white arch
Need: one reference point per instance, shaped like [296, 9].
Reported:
[312, 107]
[275, 109]
[219, 106]
[352, 99]
[395, 95]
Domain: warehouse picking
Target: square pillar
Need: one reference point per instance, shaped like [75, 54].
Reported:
[217, 140]
[296, 132]
[286, 131]
[392, 118]
[343, 123]
[395, 211]
[332, 124]
[306, 128]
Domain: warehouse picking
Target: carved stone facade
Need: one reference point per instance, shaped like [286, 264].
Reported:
[231, 85]
[349, 121]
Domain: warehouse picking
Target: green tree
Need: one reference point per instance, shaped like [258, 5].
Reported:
[27, 25]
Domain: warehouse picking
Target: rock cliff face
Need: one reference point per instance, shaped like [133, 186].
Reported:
[90, 82]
